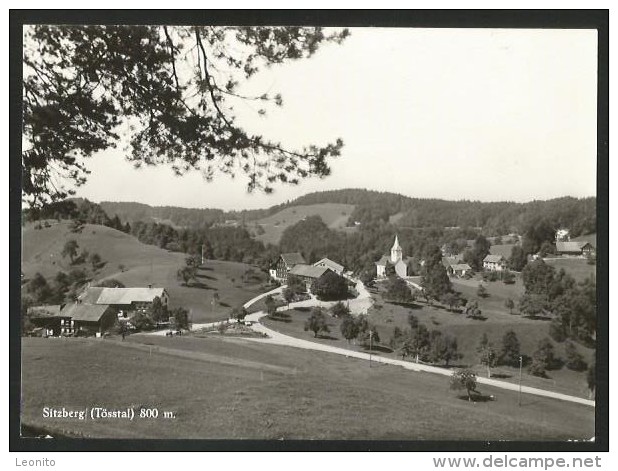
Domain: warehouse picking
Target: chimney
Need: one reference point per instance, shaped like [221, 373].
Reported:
[149, 286]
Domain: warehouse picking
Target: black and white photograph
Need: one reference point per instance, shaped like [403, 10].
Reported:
[310, 229]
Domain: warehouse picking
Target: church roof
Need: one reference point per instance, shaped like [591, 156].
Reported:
[384, 260]
[396, 245]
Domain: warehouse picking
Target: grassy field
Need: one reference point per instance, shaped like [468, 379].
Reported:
[238, 389]
[578, 268]
[144, 265]
[386, 316]
[334, 215]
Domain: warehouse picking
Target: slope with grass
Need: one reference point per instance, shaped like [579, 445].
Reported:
[143, 265]
[334, 215]
[235, 389]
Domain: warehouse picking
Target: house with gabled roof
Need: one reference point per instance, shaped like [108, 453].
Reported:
[334, 266]
[285, 263]
[458, 269]
[134, 299]
[495, 262]
[309, 273]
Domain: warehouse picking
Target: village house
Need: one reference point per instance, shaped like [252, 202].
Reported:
[334, 266]
[309, 273]
[285, 263]
[51, 320]
[400, 266]
[494, 263]
[125, 299]
[579, 248]
[90, 318]
[458, 269]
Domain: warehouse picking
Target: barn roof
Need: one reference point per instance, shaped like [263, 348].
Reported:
[309, 271]
[45, 311]
[573, 246]
[461, 266]
[502, 249]
[85, 312]
[129, 295]
[120, 295]
[293, 258]
[330, 264]
[494, 258]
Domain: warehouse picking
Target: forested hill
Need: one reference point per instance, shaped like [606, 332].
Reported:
[373, 207]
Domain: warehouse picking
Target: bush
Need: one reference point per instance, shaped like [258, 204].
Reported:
[574, 359]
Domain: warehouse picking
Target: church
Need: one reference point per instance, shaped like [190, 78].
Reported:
[396, 261]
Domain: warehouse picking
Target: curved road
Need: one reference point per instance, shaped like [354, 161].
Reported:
[278, 338]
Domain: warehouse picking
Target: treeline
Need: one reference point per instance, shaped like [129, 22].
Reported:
[220, 243]
[77, 209]
[495, 218]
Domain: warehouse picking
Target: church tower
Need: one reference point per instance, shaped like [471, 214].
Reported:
[396, 251]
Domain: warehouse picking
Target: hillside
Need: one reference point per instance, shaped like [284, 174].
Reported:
[334, 215]
[142, 265]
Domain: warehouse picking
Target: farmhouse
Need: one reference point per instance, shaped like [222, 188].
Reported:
[580, 248]
[334, 266]
[458, 269]
[309, 273]
[129, 299]
[494, 263]
[285, 263]
[90, 318]
[395, 262]
[52, 319]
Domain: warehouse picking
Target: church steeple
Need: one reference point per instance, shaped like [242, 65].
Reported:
[396, 251]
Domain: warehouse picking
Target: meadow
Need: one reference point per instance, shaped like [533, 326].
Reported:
[136, 264]
[334, 215]
[241, 389]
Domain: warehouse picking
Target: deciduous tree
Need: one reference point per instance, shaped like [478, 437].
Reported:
[177, 87]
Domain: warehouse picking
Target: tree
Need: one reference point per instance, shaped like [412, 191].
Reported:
[317, 322]
[509, 353]
[435, 280]
[452, 300]
[95, 260]
[121, 267]
[532, 305]
[181, 318]
[239, 313]
[591, 378]
[288, 295]
[186, 274]
[538, 277]
[330, 286]
[509, 304]
[70, 249]
[474, 257]
[481, 291]
[464, 379]
[110, 283]
[518, 258]
[176, 85]
[487, 354]
[296, 284]
[420, 343]
[443, 348]
[142, 321]
[367, 333]
[398, 290]
[473, 311]
[339, 310]
[349, 328]
[157, 311]
[544, 354]
[271, 306]
[574, 360]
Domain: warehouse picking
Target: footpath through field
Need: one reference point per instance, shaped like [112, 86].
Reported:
[278, 338]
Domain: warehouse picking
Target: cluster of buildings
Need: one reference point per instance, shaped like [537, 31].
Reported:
[294, 264]
[95, 310]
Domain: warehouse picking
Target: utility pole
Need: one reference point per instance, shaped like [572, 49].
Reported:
[521, 360]
[370, 344]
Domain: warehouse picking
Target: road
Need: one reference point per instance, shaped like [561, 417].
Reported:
[278, 338]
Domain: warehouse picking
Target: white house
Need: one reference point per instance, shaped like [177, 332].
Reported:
[494, 263]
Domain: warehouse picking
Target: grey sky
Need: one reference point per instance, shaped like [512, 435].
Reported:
[454, 114]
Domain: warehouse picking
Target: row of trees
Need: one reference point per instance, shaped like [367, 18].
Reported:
[570, 304]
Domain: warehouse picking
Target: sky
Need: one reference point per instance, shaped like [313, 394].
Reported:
[477, 114]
